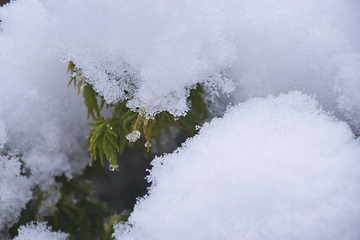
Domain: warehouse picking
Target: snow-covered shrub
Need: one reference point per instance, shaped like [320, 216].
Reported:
[149, 55]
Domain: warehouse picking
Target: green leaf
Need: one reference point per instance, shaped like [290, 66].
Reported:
[91, 102]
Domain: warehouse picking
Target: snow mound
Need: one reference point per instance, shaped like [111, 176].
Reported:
[153, 52]
[45, 121]
[273, 168]
[39, 231]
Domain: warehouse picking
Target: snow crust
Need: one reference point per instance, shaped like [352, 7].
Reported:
[39, 231]
[273, 168]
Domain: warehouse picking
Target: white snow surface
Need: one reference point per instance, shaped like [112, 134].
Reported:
[43, 118]
[2, 134]
[153, 52]
[40, 118]
[39, 231]
[273, 168]
[14, 191]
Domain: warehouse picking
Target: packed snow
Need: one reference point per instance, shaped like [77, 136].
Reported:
[273, 168]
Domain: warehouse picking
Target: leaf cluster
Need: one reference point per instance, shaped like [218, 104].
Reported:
[109, 135]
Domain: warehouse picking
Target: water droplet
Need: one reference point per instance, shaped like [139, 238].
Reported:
[147, 144]
[112, 167]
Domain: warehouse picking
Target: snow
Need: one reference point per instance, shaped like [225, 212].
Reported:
[152, 53]
[305, 46]
[348, 85]
[39, 231]
[37, 108]
[272, 168]
[14, 191]
[40, 118]
[2, 134]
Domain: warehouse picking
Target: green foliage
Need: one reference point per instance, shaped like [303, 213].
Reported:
[114, 219]
[76, 213]
[198, 111]
[110, 136]
[90, 100]
[103, 141]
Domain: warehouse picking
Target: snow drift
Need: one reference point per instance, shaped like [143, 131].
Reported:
[274, 168]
